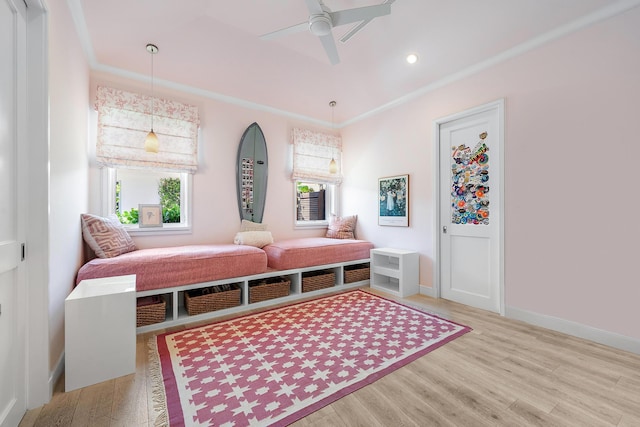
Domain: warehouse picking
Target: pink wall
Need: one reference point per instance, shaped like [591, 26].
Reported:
[570, 145]
[68, 169]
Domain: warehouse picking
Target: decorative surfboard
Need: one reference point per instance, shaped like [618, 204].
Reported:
[252, 170]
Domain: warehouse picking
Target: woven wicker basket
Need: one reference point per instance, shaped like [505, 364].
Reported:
[150, 310]
[213, 298]
[356, 273]
[314, 280]
[265, 289]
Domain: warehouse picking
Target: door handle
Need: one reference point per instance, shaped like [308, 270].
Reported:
[444, 229]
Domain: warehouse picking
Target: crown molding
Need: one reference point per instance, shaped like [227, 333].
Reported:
[599, 15]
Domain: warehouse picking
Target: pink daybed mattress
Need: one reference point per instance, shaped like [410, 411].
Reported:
[307, 252]
[179, 265]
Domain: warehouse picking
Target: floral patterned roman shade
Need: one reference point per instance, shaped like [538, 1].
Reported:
[124, 119]
[312, 153]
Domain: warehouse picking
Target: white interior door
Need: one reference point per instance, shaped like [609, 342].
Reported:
[470, 207]
[12, 127]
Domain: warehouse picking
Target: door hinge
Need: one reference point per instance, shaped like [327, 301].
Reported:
[23, 252]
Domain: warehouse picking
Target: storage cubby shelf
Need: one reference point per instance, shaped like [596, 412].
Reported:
[395, 271]
[177, 314]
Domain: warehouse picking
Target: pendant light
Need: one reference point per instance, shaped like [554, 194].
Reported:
[333, 166]
[151, 141]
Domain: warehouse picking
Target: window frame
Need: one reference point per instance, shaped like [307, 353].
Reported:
[331, 205]
[186, 191]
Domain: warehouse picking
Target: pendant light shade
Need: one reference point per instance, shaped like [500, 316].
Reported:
[151, 143]
[333, 166]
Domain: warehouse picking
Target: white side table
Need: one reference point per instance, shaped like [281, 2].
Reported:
[395, 271]
[100, 331]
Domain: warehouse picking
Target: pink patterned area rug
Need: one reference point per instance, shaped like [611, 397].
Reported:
[275, 367]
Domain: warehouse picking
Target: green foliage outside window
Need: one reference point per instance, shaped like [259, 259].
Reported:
[169, 192]
[128, 217]
[303, 188]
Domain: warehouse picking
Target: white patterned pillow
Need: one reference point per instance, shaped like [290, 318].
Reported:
[105, 236]
[252, 226]
[342, 228]
[253, 238]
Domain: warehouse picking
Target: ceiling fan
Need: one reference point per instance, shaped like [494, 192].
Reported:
[322, 20]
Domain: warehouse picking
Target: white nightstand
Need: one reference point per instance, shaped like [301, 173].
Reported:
[395, 271]
[100, 331]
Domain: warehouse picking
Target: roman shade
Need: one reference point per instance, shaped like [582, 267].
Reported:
[124, 119]
[312, 153]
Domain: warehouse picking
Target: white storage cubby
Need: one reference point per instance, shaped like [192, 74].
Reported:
[100, 337]
[395, 271]
[177, 314]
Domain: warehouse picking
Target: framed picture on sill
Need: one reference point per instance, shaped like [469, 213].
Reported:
[393, 201]
[149, 216]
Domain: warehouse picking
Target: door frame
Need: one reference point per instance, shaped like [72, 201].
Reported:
[498, 105]
[35, 175]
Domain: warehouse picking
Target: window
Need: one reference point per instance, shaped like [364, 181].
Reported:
[316, 174]
[310, 201]
[134, 176]
[129, 188]
[315, 203]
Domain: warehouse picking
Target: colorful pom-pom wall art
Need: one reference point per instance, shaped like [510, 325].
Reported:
[470, 183]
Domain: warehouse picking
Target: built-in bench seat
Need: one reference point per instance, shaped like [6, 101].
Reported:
[159, 268]
[311, 251]
[171, 272]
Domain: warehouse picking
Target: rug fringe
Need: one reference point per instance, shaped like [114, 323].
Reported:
[158, 396]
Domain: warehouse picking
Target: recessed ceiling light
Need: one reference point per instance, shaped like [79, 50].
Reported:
[412, 58]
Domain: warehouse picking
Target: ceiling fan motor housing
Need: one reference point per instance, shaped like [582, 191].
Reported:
[320, 24]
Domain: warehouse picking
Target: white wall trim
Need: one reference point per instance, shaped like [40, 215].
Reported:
[571, 27]
[579, 330]
[210, 95]
[557, 33]
[77, 14]
[56, 373]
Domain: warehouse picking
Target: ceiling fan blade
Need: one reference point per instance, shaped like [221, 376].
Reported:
[315, 7]
[348, 16]
[298, 28]
[330, 47]
[352, 32]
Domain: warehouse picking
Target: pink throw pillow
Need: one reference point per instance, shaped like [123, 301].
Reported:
[342, 228]
[106, 237]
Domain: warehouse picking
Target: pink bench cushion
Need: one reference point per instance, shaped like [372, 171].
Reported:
[180, 265]
[307, 252]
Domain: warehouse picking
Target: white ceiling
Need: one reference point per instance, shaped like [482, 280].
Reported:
[212, 47]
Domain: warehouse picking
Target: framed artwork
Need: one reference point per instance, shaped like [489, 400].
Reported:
[393, 201]
[149, 216]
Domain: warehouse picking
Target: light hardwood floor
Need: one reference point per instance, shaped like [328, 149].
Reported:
[503, 373]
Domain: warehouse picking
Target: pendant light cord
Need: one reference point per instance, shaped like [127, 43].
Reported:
[332, 104]
[151, 141]
[152, 92]
[152, 49]
[333, 166]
